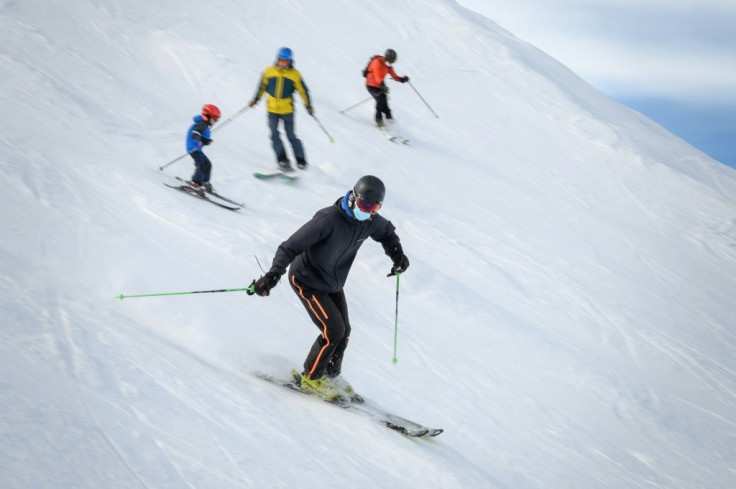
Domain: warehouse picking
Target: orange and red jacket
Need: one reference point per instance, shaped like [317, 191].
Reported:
[377, 71]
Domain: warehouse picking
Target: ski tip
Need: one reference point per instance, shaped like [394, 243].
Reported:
[417, 433]
[121, 297]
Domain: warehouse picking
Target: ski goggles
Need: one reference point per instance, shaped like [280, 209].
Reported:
[366, 205]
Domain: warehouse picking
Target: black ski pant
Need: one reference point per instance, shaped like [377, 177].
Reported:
[329, 312]
[381, 97]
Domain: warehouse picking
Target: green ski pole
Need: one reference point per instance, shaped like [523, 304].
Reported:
[250, 290]
[396, 320]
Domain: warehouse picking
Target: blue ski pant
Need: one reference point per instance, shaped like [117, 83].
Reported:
[278, 146]
[203, 167]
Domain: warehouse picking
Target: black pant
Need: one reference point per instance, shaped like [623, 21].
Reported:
[330, 313]
[379, 93]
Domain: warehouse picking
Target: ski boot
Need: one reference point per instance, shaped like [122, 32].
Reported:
[320, 387]
[285, 166]
[196, 187]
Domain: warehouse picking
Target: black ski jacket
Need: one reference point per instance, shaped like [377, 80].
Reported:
[322, 251]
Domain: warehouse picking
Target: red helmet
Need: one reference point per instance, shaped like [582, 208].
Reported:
[210, 111]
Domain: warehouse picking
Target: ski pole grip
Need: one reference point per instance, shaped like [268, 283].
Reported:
[251, 290]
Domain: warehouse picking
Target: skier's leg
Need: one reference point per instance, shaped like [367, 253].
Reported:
[206, 168]
[202, 167]
[296, 143]
[278, 146]
[383, 105]
[376, 93]
[335, 365]
[327, 317]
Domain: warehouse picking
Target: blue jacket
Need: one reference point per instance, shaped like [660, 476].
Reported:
[198, 132]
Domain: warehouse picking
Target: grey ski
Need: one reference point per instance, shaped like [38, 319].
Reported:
[365, 408]
[189, 190]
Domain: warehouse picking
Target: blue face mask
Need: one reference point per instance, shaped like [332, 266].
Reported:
[360, 215]
[355, 211]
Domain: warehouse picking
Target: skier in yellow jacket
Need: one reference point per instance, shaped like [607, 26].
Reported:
[279, 81]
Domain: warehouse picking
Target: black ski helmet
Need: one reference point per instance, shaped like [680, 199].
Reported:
[370, 188]
[390, 55]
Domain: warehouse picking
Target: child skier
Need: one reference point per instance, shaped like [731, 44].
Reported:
[198, 136]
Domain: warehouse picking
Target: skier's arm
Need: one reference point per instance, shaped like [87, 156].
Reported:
[259, 91]
[311, 233]
[301, 87]
[393, 74]
[198, 132]
[392, 247]
[308, 235]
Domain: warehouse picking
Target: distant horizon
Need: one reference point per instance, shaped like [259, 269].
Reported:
[709, 128]
[673, 63]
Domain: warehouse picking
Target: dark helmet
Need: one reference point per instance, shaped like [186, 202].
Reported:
[390, 55]
[370, 188]
[210, 111]
[284, 53]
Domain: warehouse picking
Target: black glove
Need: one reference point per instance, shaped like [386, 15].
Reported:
[404, 79]
[400, 266]
[206, 141]
[401, 261]
[263, 285]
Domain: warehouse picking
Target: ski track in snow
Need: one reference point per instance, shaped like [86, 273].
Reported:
[567, 318]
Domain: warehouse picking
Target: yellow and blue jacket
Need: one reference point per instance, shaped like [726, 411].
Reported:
[280, 85]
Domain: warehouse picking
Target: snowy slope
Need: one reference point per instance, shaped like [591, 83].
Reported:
[568, 316]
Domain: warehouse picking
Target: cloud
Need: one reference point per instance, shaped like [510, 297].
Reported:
[668, 48]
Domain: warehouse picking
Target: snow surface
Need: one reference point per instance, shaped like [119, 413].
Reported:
[568, 316]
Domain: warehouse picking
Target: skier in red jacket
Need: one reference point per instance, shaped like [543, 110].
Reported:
[375, 72]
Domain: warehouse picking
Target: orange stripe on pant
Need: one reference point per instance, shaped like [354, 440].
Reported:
[324, 325]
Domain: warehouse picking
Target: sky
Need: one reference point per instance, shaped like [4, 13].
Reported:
[567, 317]
[674, 61]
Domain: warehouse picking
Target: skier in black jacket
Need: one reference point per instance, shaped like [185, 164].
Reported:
[321, 253]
